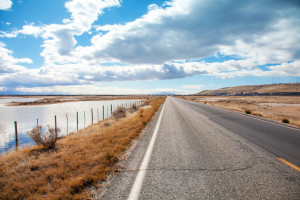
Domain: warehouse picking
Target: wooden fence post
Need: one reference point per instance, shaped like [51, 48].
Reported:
[92, 116]
[103, 114]
[55, 126]
[67, 124]
[84, 119]
[77, 120]
[16, 134]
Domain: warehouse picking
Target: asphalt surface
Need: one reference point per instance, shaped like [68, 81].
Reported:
[202, 152]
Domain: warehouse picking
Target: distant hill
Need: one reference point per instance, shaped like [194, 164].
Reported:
[272, 89]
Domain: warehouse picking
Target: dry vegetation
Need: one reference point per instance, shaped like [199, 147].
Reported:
[79, 160]
[284, 109]
[271, 88]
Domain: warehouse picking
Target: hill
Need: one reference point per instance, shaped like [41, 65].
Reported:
[290, 89]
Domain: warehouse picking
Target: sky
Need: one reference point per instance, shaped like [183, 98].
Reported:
[146, 46]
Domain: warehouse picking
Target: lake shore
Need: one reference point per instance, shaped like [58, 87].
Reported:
[47, 100]
[80, 160]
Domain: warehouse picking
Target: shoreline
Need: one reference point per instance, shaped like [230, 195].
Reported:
[48, 100]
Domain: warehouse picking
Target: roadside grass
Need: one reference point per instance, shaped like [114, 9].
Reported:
[79, 160]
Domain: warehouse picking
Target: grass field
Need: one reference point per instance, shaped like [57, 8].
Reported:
[262, 89]
[272, 107]
[80, 160]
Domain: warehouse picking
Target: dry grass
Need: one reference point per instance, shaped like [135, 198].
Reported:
[268, 88]
[80, 160]
[272, 107]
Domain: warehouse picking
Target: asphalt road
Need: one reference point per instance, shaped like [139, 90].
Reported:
[195, 151]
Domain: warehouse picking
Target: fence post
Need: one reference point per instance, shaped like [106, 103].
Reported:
[16, 134]
[77, 120]
[92, 116]
[110, 109]
[37, 122]
[103, 114]
[55, 126]
[84, 119]
[67, 124]
[107, 112]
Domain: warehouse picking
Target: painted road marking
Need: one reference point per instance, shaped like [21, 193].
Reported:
[137, 185]
[204, 116]
[289, 164]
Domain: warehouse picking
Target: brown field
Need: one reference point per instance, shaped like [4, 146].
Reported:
[261, 89]
[45, 100]
[272, 107]
[80, 160]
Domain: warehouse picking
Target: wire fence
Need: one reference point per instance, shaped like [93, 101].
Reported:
[67, 122]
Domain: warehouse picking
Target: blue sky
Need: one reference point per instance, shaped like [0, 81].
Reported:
[148, 46]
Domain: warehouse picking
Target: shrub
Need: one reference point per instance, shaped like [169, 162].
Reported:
[133, 108]
[285, 120]
[47, 140]
[145, 103]
[247, 111]
[119, 113]
[257, 114]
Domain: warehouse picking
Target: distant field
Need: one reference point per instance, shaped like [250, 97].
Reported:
[286, 88]
[272, 107]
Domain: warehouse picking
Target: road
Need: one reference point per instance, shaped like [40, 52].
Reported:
[195, 151]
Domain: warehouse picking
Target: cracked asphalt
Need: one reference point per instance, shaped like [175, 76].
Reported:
[194, 157]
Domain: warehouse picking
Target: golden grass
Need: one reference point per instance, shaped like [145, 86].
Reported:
[268, 88]
[271, 107]
[80, 160]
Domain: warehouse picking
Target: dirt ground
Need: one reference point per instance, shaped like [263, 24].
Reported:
[272, 107]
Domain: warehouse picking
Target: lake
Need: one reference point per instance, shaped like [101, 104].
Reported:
[27, 118]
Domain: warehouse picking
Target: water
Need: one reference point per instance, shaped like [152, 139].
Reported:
[26, 117]
[4, 101]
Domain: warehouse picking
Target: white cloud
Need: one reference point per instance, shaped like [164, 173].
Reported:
[8, 63]
[59, 38]
[78, 89]
[28, 29]
[265, 31]
[5, 4]
[160, 44]
[193, 87]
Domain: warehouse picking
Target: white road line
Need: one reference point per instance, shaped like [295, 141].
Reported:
[137, 185]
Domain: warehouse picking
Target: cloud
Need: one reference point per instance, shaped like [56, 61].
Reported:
[78, 89]
[28, 29]
[5, 4]
[193, 87]
[191, 29]
[59, 40]
[256, 32]
[8, 63]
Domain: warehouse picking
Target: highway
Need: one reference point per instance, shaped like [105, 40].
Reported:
[196, 151]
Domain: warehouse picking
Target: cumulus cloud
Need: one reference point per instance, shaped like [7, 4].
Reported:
[28, 29]
[8, 63]
[60, 38]
[78, 89]
[5, 4]
[165, 43]
[190, 29]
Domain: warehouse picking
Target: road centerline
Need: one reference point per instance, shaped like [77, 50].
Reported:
[137, 185]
